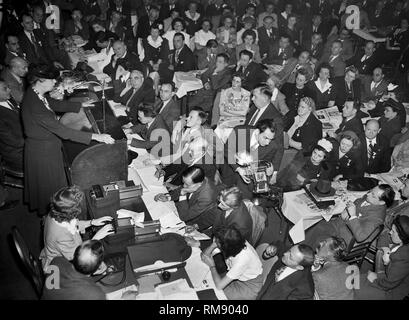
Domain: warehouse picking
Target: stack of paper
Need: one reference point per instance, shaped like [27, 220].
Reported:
[137, 217]
[176, 290]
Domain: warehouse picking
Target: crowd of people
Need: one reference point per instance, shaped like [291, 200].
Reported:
[266, 67]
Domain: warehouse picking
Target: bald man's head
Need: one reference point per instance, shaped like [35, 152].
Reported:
[377, 75]
[88, 257]
[119, 48]
[372, 129]
[19, 66]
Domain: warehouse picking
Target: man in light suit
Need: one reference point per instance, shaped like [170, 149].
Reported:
[290, 278]
[334, 59]
[14, 76]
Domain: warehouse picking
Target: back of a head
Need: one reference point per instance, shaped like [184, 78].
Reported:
[338, 248]
[308, 255]
[388, 194]
[232, 196]
[195, 173]
[230, 239]
[88, 257]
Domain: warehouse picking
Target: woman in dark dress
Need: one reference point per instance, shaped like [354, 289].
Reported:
[306, 129]
[321, 89]
[303, 170]
[43, 159]
[156, 49]
[294, 92]
[390, 122]
[345, 159]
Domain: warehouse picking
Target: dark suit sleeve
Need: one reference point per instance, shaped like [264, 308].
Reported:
[187, 212]
[362, 228]
[302, 289]
[8, 138]
[64, 106]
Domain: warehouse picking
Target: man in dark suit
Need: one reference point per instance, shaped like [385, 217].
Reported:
[169, 5]
[351, 121]
[266, 34]
[261, 142]
[280, 51]
[152, 128]
[206, 57]
[122, 57]
[346, 87]
[14, 76]
[89, 8]
[167, 107]
[334, 59]
[365, 61]
[147, 21]
[196, 201]
[76, 26]
[375, 150]
[317, 26]
[251, 72]
[290, 278]
[321, 7]
[137, 91]
[12, 48]
[182, 57]
[375, 89]
[11, 130]
[347, 44]
[315, 46]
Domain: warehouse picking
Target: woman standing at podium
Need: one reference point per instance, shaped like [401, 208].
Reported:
[44, 170]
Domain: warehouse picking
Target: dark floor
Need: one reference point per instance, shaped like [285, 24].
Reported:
[13, 282]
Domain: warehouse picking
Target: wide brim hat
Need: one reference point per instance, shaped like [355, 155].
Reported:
[316, 188]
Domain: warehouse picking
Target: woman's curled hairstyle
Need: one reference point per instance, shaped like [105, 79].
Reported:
[66, 204]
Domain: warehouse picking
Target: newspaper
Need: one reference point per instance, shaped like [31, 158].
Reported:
[330, 118]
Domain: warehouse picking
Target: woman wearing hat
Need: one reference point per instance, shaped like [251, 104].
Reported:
[303, 170]
[43, 159]
[345, 160]
[391, 282]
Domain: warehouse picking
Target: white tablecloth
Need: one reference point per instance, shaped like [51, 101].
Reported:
[186, 82]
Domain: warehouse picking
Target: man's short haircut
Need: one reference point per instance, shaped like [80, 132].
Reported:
[88, 256]
[195, 173]
[268, 17]
[338, 247]
[308, 255]
[225, 56]
[148, 111]
[179, 34]
[246, 53]
[234, 195]
[171, 84]
[265, 124]
[231, 240]
[388, 194]
[153, 7]
[265, 90]
[212, 43]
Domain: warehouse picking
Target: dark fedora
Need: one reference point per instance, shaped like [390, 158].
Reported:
[322, 188]
[362, 184]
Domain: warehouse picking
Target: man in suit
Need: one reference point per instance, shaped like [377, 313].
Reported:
[137, 90]
[375, 89]
[147, 21]
[89, 8]
[279, 52]
[124, 7]
[76, 26]
[321, 7]
[365, 61]
[11, 130]
[334, 59]
[266, 34]
[14, 77]
[169, 5]
[375, 149]
[261, 143]
[289, 72]
[167, 107]
[206, 58]
[350, 119]
[316, 27]
[315, 46]
[251, 72]
[196, 201]
[12, 49]
[290, 278]
[214, 80]
[347, 44]
[116, 24]
[122, 57]
[75, 280]
[346, 87]
[152, 128]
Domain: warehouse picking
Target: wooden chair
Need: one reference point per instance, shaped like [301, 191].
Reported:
[358, 252]
[31, 263]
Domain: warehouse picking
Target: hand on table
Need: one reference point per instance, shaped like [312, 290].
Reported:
[162, 197]
[103, 232]
[101, 221]
[104, 138]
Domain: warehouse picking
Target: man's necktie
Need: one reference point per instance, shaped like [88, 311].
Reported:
[280, 51]
[34, 42]
[370, 151]
[331, 58]
[130, 98]
[177, 56]
[254, 118]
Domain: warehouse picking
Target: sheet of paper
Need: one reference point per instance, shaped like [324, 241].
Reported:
[118, 109]
[134, 176]
[297, 233]
[170, 220]
[136, 216]
[196, 269]
[117, 295]
[176, 290]
[198, 236]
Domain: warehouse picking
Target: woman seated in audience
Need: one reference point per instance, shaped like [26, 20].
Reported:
[249, 39]
[321, 89]
[329, 271]
[167, 23]
[226, 35]
[62, 228]
[294, 92]
[345, 159]
[243, 280]
[303, 170]
[233, 211]
[306, 129]
[178, 25]
[231, 103]
[155, 49]
[390, 122]
[277, 99]
[391, 281]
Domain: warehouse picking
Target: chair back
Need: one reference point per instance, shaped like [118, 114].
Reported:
[259, 221]
[31, 263]
[357, 252]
